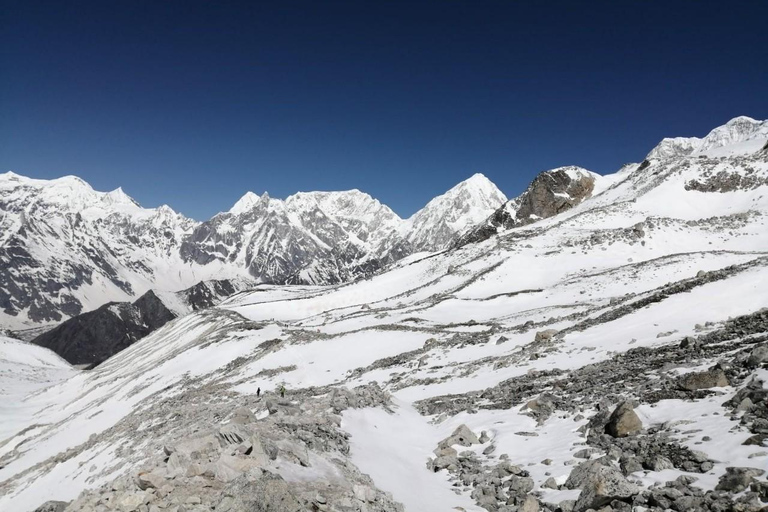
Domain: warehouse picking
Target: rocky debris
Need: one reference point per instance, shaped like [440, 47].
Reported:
[643, 375]
[712, 378]
[623, 421]
[555, 389]
[242, 464]
[496, 486]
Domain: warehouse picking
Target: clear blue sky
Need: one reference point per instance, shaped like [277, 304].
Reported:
[192, 103]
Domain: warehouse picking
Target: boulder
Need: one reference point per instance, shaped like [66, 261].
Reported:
[545, 335]
[52, 506]
[530, 504]
[584, 471]
[150, 480]
[713, 378]
[462, 436]
[737, 479]
[549, 483]
[231, 434]
[605, 485]
[258, 491]
[204, 444]
[520, 484]
[229, 467]
[758, 356]
[243, 416]
[623, 421]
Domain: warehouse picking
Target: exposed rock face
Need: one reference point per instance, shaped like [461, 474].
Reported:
[93, 337]
[624, 421]
[550, 193]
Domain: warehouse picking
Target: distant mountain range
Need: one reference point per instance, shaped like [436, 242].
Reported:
[66, 248]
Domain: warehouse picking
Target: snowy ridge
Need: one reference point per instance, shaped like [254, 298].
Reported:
[740, 135]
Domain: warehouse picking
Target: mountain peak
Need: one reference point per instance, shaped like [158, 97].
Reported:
[247, 202]
[466, 204]
[118, 196]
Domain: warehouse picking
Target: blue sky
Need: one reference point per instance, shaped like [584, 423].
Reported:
[192, 103]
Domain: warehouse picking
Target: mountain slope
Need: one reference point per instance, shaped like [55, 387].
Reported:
[482, 377]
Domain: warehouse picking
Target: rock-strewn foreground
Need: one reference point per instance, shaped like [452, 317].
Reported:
[613, 356]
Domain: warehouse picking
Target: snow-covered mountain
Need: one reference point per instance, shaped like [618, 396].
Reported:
[612, 354]
[466, 205]
[66, 249]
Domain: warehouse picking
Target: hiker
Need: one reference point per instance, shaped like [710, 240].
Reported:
[282, 391]
[258, 392]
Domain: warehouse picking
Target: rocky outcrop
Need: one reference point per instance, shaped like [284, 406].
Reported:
[550, 193]
[93, 337]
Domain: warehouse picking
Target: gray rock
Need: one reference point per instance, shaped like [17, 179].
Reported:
[149, 480]
[462, 436]
[530, 504]
[703, 380]
[521, 484]
[549, 483]
[545, 335]
[758, 356]
[623, 421]
[243, 415]
[585, 453]
[52, 506]
[605, 485]
[660, 463]
[584, 471]
[261, 492]
[737, 479]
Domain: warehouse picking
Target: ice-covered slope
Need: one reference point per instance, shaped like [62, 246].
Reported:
[651, 290]
[24, 370]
